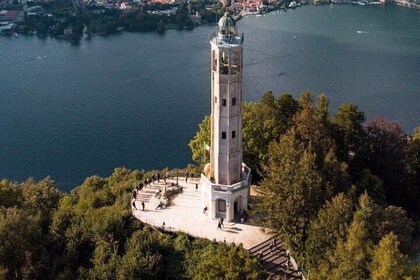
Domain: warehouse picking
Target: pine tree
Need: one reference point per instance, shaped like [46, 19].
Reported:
[330, 226]
[292, 190]
[353, 255]
[388, 262]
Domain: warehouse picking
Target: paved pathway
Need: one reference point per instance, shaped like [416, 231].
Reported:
[185, 214]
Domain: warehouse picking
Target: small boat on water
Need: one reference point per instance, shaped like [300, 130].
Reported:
[293, 5]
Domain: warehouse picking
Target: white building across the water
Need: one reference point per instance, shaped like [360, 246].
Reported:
[226, 179]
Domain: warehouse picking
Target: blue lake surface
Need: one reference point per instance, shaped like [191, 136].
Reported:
[135, 99]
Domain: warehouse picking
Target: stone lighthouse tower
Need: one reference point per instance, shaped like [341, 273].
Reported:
[225, 180]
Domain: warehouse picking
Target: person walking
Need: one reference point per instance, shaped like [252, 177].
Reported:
[186, 177]
[196, 186]
[142, 205]
[261, 257]
[221, 221]
[158, 177]
[219, 226]
[273, 245]
[134, 204]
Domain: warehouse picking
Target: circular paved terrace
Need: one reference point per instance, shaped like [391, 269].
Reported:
[185, 214]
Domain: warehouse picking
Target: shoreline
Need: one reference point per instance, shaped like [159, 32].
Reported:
[12, 31]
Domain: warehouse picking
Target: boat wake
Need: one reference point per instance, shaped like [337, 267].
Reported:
[361, 32]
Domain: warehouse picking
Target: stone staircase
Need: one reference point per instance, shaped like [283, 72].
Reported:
[188, 198]
[275, 260]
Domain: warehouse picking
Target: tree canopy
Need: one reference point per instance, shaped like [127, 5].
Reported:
[91, 233]
[332, 187]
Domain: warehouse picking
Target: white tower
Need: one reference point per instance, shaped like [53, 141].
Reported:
[225, 182]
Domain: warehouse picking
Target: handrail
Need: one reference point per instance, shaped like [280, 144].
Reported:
[234, 39]
[239, 185]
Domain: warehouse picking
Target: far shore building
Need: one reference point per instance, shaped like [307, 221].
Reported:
[226, 179]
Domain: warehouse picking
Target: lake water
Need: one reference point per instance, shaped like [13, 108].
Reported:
[135, 99]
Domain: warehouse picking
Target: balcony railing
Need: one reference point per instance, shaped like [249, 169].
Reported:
[226, 39]
[246, 180]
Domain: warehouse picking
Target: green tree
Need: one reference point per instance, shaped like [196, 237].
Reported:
[413, 174]
[43, 196]
[329, 227]
[350, 137]
[352, 256]
[225, 262]
[292, 190]
[388, 146]
[10, 194]
[323, 110]
[143, 258]
[199, 142]
[389, 263]
[396, 221]
[20, 238]
[264, 122]
[372, 185]
[105, 261]
[314, 134]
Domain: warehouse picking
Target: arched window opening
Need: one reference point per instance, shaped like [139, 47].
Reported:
[224, 63]
[235, 63]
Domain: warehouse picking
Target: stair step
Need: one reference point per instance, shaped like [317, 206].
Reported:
[257, 248]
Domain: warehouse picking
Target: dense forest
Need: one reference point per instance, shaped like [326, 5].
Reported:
[341, 193]
[90, 233]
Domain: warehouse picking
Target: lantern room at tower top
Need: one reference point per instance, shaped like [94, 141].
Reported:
[226, 179]
[227, 33]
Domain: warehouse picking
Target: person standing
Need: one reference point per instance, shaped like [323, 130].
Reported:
[142, 205]
[219, 226]
[221, 221]
[186, 177]
[196, 186]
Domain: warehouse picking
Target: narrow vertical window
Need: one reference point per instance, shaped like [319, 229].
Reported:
[234, 101]
[223, 102]
[223, 135]
[215, 99]
[233, 134]
[214, 61]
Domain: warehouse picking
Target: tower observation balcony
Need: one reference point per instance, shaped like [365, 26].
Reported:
[244, 183]
[227, 40]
